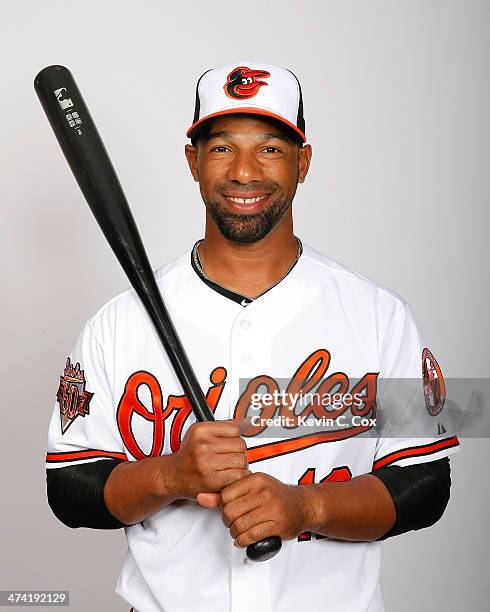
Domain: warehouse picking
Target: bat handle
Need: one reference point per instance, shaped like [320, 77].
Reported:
[265, 549]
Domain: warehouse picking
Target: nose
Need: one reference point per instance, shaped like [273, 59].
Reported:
[245, 167]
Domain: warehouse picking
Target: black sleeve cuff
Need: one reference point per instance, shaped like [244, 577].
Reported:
[76, 494]
[420, 493]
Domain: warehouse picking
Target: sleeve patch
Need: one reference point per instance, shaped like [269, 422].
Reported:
[72, 397]
[433, 381]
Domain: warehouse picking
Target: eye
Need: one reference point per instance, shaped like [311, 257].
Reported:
[271, 149]
[220, 149]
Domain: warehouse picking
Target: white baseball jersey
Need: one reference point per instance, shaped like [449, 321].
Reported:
[322, 328]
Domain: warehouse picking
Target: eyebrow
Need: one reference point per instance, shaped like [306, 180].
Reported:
[264, 136]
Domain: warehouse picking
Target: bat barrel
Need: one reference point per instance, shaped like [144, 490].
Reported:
[90, 163]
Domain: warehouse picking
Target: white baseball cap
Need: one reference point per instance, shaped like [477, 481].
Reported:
[253, 88]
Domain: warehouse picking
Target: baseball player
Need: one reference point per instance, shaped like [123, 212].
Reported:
[331, 430]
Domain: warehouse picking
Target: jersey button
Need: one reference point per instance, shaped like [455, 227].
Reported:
[245, 324]
[247, 359]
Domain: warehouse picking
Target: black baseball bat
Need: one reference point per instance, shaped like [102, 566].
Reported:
[89, 161]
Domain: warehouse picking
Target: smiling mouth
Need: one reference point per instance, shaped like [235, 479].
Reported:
[246, 201]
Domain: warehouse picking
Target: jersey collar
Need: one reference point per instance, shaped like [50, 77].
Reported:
[243, 300]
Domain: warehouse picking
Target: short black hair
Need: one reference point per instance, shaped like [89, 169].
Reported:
[202, 132]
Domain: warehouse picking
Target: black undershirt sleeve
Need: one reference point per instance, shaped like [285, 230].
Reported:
[420, 493]
[76, 494]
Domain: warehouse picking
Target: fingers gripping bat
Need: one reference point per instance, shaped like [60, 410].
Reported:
[88, 159]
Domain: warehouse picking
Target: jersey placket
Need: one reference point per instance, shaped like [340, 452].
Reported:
[250, 581]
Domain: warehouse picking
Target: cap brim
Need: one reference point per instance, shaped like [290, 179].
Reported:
[192, 131]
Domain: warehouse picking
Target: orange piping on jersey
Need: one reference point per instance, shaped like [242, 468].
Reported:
[282, 447]
[86, 454]
[416, 451]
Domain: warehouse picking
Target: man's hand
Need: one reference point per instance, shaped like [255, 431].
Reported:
[259, 506]
[212, 456]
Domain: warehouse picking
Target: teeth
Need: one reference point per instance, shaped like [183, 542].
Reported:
[245, 200]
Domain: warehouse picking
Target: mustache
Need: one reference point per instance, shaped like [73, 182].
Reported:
[268, 187]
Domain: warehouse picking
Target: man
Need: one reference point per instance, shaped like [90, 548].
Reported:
[266, 322]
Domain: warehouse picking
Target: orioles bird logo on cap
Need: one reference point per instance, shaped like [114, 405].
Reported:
[242, 82]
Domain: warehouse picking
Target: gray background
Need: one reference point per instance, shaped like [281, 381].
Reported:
[396, 101]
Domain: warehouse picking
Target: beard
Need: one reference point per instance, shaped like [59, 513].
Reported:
[247, 228]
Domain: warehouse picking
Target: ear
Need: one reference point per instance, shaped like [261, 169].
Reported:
[304, 159]
[191, 154]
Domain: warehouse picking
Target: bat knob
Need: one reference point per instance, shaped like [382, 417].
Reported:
[265, 549]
